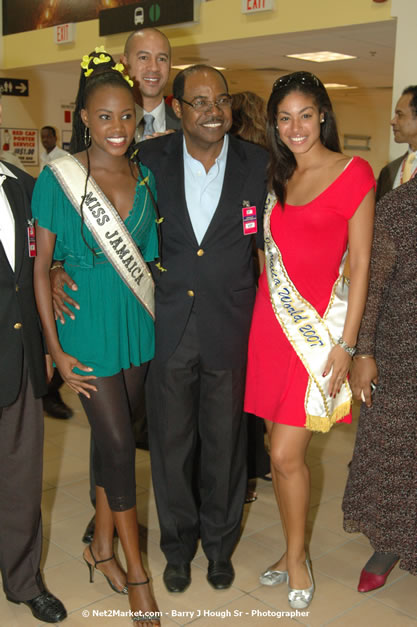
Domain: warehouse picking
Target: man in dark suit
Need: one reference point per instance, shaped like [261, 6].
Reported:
[147, 57]
[206, 182]
[404, 126]
[23, 382]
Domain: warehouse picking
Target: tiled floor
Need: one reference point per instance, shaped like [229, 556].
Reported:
[337, 557]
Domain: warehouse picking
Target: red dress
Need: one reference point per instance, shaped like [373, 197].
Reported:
[312, 239]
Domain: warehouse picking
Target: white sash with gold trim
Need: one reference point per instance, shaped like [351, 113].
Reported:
[311, 335]
[107, 228]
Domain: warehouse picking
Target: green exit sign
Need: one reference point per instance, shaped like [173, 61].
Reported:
[146, 14]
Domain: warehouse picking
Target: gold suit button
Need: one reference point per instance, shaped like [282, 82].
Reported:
[18, 325]
[17, 288]
[190, 293]
[200, 252]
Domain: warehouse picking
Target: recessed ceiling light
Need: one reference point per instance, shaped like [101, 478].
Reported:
[321, 57]
[339, 86]
[184, 67]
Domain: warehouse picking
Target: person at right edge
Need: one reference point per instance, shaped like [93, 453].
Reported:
[306, 318]
[380, 499]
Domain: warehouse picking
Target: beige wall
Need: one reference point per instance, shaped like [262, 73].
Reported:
[52, 86]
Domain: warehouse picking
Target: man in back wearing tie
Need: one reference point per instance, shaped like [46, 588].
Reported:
[147, 57]
[404, 126]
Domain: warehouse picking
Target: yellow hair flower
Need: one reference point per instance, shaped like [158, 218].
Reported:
[98, 49]
[88, 72]
[85, 62]
[119, 67]
[103, 58]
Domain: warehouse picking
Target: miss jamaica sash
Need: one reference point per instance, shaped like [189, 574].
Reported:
[107, 228]
[311, 335]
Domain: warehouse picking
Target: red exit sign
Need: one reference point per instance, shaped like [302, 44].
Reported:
[252, 6]
[64, 33]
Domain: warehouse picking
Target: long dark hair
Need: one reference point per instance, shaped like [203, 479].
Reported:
[282, 162]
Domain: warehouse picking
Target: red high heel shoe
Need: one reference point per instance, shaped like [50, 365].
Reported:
[370, 581]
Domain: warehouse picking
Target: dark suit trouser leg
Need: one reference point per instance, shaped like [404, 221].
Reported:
[21, 447]
[223, 474]
[187, 403]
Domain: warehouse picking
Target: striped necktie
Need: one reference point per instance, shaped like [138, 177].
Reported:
[148, 129]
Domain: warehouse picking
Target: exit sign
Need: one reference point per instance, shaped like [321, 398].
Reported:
[253, 6]
[64, 33]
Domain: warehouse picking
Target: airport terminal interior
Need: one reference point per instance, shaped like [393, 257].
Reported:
[254, 51]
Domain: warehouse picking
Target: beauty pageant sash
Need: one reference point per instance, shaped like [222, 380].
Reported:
[311, 335]
[107, 228]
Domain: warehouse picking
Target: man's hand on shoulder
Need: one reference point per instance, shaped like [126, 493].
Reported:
[168, 132]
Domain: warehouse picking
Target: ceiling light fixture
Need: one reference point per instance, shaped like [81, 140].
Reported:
[184, 67]
[339, 86]
[321, 57]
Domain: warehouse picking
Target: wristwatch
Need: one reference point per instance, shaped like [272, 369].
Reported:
[351, 350]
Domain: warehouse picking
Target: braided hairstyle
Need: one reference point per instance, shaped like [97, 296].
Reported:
[99, 69]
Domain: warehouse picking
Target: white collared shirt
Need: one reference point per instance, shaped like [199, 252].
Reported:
[47, 157]
[397, 180]
[7, 225]
[158, 113]
[203, 189]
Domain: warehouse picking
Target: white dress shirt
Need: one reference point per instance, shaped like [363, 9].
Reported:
[47, 157]
[7, 232]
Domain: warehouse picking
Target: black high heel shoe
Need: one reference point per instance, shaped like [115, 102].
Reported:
[91, 568]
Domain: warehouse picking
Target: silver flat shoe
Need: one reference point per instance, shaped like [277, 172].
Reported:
[273, 577]
[300, 599]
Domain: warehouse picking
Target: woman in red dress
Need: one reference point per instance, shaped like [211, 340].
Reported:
[306, 320]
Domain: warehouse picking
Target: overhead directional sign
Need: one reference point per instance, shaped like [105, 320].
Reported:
[147, 13]
[14, 87]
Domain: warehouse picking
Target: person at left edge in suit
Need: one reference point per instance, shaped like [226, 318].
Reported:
[23, 382]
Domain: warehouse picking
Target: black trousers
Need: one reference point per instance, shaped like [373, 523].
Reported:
[197, 440]
[21, 448]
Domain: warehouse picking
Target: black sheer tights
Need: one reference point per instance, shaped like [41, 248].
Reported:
[109, 412]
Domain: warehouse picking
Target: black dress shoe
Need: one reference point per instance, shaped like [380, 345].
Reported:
[45, 607]
[56, 408]
[89, 531]
[220, 574]
[177, 577]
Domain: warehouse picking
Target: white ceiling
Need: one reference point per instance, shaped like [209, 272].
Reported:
[254, 64]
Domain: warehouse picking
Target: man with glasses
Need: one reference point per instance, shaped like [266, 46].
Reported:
[211, 187]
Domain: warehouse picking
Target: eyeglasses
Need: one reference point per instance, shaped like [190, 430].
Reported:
[203, 105]
[297, 78]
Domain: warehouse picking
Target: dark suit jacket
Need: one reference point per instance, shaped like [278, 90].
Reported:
[387, 177]
[17, 301]
[215, 277]
[171, 120]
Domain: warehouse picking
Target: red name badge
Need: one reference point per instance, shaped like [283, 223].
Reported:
[250, 225]
[31, 240]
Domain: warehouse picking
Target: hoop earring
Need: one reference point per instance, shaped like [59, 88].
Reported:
[87, 138]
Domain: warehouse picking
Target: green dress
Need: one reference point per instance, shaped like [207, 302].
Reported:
[111, 330]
